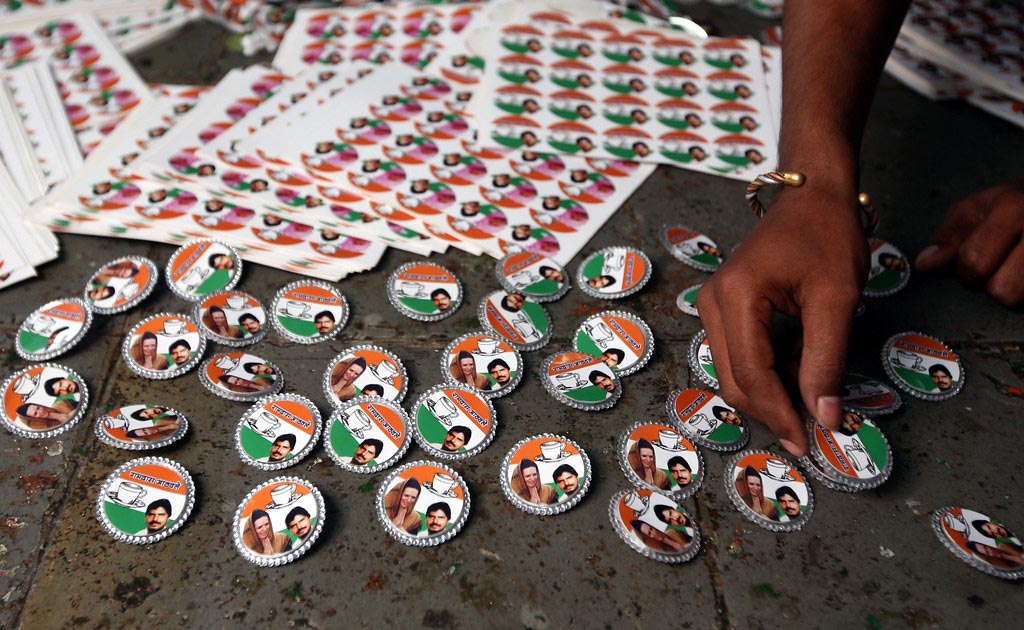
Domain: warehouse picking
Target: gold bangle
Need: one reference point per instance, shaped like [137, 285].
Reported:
[869, 216]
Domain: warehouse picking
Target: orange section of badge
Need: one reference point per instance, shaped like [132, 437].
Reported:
[188, 257]
[387, 421]
[68, 311]
[675, 236]
[532, 449]
[472, 344]
[832, 451]
[155, 476]
[627, 331]
[311, 293]
[689, 401]
[293, 413]
[925, 346]
[520, 261]
[570, 361]
[472, 406]
[498, 322]
[634, 270]
[427, 273]
[626, 513]
[263, 498]
[651, 433]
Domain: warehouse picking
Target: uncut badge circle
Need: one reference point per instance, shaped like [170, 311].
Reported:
[701, 362]
[621, 340]
[691, 247]
[889, 272]
[278, 521]
[163, 346]
[43, 400]
[922, 366]
[538, 277]
[869, 397]
[580, 381]
[201, 267]
[240, 376]
[278, 431]
[367, 434]
[658, 457]
[231, 318]
[857, 453]
[145, 500]
[453, 422]
[308, 311]
[545, 474]
[769, 491]
[423, 504]
[483, 362]
[517, 319]
[121, 284]
[654, 525]
[141, 427]
[365, 371]
[53, 329]
[424, 291]
[686, 301]
[707, 419]
[614, 272]
[980, 541]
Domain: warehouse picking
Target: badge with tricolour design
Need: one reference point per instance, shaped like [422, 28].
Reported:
[141, 427]
[202, 267]
[580, 381]
[826, 476]
[768, 491]
[121, 284]
[43, 400]
[857, 453]
[145, 500]
[545, 474]
[686, 301]
[231, 318]
[657, 457]
[701, 362]
[484, 362]
[614, 272]
[53, 329]
[278, 521]
[278, 431]
[922, 366]
[163, 346]
[890, 269]
[453, 422]
[654, 525]
[869, 397]
[621, 340]
[707, 420]
[424, 291]
[516, 318]
[308, 311]
[423, 504]
[692, 247]
[365, 371]
[980, 541]
[240, 376]
[367, 434]
[533, 275]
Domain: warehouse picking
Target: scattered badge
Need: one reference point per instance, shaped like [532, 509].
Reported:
[869, 397]
[483, 362]
[686, 301]
[537, 277]
[614, 272]
[308, 311]
[707, 420]
[121, 284]
[890, 269]
[53, 329]
[365, 371]
[621, 340]
[922, 366]
[654, 525]
[980, 541]
[163, 346]
[453, 422]
[43, 400]
[767, 490]
[516, 318]
[367, 434]
[691, 247]
[656, 457]
[424, 291]
[423, 504]
[231, 318]
[145, 500]
[827, 477]
[201, 267]
[278, 431]
[857, 454]
[278, 521]
[545, 474]
[240, 376]
[580, 381]
[141, 427]
[701, 362]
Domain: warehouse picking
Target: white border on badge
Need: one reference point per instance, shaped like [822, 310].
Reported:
[427, 541]
[289, 556]
[144, 292]
[65, 347]
[190, 500]
[730, 489]
[555, 508]
[257, 407]
[105, 437]
[644, 550]
[633, 478]
[162, 375]
[388, 463]
[78, 414]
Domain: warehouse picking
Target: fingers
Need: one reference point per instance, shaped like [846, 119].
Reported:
[992, 240]
[1007, 284]
[707, 306]
[827, 320]
[960, 221]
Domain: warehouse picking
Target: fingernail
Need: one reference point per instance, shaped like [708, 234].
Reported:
[926, 259]
[829, 411]
[793, 449]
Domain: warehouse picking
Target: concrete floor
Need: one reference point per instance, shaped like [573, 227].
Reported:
[869, 559]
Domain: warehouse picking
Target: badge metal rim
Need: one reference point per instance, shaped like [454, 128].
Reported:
[904, 277]
[402, 309]
[217, 390]
[162, 375]
[695, 367]
[899, 383]
[633, 478]
[406, 538]
[643, 549]
[504, 391]
[303, 452]
[154, 274]
[856, 484]
[388, 463]
[444, 455]
[663, 237]
[188, 297]
[794, 525]
[682, 305]
[224, 341]
[78, 414]
[700, 440]
[67, 347]
[333, 401]
[545, 510]
[508, 286]
[105, 437]
[190, 500]
[293, 554]
[607, 403]
[583, 286]
[875, 413]
[644, 329]
[308, 341]
[815, 471]
[984, 567]
[481, 315]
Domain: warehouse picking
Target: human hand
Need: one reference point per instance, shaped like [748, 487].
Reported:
[982, 234]
[807, 258]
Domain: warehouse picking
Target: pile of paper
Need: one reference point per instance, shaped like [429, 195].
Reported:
[23, 246]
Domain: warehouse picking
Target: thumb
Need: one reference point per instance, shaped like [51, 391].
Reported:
[827, 325]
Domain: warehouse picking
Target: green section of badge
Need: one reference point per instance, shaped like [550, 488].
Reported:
[537, 316]
[594, 267]
[726, 434]
[31, 342]
[586, 345]
[709, 369]
[419, 305]
[219, 279]
[588, 394]
[127, 520]
[431, 428]
[542, 288]
[875, 445]
[885, 280]
[255, 445]
[300, 327]
[916, 380]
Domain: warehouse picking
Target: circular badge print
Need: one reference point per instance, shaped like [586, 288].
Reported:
[163, 346]
[980, 541]
[890, 269]
[453, 422]
[654, 525]
[278, 431]
[240, 376]
[483, 362]
[43, 400]
[231, 318]
[827, 477]
[869, 397]
[769, 491]
[545, 474]
[201, 267]
[423, 504]
[516, 318]
[580, 381]
[621, 340]
[535, 276]
[145, 500]
[308, 311]
[700, 359]
[53, 329]
[614, 272]
[121, 284]
[424, 291]
[707, 420]
[367, 434]
[857, 453]
[922, 366]
[278, 521]
[365, 371]
[686, 301]
[657, 457]
[141, 427]
[692, 247]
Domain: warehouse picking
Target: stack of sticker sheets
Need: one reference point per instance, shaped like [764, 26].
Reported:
[23, 246]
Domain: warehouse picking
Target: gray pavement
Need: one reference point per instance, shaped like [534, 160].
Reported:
[868, 559]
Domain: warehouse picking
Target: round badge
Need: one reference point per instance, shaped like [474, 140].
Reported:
[231, 318]
[980, 541]
[424, 291]
[516, 318]
[201, 267]
[614, 272]
[367, 434]
[707, 420]
[701, 362]
[580, 381]
[483, 362]
[240, 376]
[141, 427]
[655, 456]
[686, 301]
[308, 311]
[453, 422]
[890, 269]
[654, 525]
[163, 346]
[828, 478]
[53, 329]
[869, 397]
[769, 491]
[545, 474]
[145, 500]
[121, 284]
[44, 400]
[278, 431]
[857, 453]
[922, 366]
[621, 340]
[278, 521]
[365, 371]
[535, 276]
[692, 247]
[423, 504]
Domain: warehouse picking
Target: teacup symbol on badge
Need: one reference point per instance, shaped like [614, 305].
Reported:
[701, 424]
[357, 422]
[613, 261]
[859, 457]
[443, 409]
[194, 278]
[637, 503]
[956, 522]
[524, 326]
[40, 324]
[292, 308]
[172, 327]
[442, 485]
[570, 380]
[25, 386]
[777, 469]
[128, 291]
[120, 421]
[282, 496]
[227, 363]
[599, 333]
[909, 360]
[553, 451]
[385, 371]
[524, 278]
[411, 289]
[264, 423]
[127, 494]
[668, 440]
[236, 302]
[487, 346]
